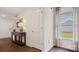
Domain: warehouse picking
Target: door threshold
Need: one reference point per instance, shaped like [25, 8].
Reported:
[65, 49]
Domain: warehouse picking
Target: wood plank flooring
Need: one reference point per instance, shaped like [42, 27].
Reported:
[7, 46]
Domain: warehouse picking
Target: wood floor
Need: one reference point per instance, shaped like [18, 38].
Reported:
[7, 46]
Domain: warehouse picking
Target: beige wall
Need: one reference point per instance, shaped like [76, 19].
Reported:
[48, 28]
[33, 27]
[39, 27]
[5, 27]
[38, 24]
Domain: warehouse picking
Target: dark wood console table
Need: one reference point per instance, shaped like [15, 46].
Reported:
[19, 38]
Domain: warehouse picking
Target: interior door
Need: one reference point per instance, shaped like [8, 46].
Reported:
[65, 28]
[35, 29]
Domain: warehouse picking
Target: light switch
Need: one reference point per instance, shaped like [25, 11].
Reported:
[32, 31]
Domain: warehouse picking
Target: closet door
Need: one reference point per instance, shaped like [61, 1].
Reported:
[35, 29]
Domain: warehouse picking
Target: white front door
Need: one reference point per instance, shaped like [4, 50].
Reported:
[65, 28]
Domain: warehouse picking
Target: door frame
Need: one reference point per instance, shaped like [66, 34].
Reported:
[75, 31]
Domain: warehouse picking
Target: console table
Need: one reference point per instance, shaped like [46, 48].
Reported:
[19, 38]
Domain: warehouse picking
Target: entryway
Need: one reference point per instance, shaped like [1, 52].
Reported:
[66, 29]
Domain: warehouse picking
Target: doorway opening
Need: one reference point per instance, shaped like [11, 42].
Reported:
[66, 29]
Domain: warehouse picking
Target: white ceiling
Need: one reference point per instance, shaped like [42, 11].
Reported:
[13, 11]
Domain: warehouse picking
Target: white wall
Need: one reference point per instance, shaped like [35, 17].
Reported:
[77, 15]
[39, 27]
[33, 27]
[5, 27]
[48, 28]
[38, 24]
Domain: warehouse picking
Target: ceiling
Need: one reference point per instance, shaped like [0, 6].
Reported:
[12, 11]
